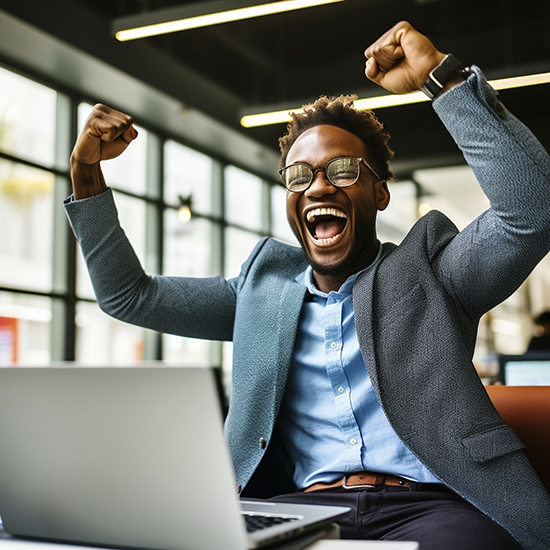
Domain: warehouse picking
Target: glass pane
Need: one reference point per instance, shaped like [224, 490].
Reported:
[280, 228]
[238, 246]
[26, 223]
[27, 118]
[102, 340]
[128, 171]
[187, 246]
[243, 198]
[187, 173]
[185, 351]
[25, 324]
[400, 215]
[131, 213]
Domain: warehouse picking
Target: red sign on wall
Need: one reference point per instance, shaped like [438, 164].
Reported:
[8, 341]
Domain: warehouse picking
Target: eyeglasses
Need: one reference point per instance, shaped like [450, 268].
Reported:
[341, 172]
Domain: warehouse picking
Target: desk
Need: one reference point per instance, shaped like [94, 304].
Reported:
[7, 542]
[361, 545]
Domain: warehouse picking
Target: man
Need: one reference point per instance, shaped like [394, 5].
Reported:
[352, 374]
[541, 341]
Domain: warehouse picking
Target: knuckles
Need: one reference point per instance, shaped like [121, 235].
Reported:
[109, 116]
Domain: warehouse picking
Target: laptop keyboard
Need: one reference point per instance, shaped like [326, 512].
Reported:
[255, 522]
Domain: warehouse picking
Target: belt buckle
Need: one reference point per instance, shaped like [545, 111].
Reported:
[364, 486]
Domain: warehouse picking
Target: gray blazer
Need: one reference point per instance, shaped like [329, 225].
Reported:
[416, 315]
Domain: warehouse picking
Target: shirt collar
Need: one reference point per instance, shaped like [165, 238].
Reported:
[346, 288]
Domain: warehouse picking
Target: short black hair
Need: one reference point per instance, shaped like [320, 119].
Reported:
[543, 318]
[340, 111]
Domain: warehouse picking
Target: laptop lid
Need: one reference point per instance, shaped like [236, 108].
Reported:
[129, 457]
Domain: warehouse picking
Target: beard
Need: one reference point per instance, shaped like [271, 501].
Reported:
[350, 264]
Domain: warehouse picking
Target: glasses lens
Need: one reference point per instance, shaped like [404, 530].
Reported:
[297, 177]
[343, 171]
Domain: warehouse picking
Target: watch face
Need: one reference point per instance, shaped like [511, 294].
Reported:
[445, 69]
[440, 75]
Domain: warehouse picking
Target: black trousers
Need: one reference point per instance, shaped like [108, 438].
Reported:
[438, 520]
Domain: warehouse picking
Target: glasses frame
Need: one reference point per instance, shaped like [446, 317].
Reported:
[324, 168]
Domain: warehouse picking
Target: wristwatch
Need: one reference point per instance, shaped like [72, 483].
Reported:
[440, 75]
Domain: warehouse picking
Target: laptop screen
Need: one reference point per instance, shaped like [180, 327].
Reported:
[532, 369]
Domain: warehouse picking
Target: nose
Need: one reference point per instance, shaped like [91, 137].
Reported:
[320, 185]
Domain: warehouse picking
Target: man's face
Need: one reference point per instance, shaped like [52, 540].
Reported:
[335, 226]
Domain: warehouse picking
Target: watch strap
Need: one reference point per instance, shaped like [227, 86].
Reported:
[440, 75]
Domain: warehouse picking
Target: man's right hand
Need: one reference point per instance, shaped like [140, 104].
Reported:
[106, 134]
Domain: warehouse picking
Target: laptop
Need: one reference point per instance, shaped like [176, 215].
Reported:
[129, 457]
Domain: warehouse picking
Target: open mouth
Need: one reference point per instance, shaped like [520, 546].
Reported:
[326, 224]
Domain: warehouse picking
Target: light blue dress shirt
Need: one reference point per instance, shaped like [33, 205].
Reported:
[332, 422]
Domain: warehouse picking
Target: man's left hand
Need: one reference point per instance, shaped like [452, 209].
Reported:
[401, 59]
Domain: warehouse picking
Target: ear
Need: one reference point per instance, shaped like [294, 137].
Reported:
[382, 194]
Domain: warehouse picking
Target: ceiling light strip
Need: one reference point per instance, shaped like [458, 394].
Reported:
[380, 102]
[375, 102]
[209, 19]
[520, 81]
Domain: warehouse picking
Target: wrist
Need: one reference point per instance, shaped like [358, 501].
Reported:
[460, 75]
[448, 73]
[87, 179]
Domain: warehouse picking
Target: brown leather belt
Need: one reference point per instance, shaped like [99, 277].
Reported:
[363, 480]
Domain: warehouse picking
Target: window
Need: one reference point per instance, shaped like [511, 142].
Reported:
[243, 198]
[26, 225]
[281, 229]
[48, 311]
[187, 173]
[187, 246]
[28, 114]
[27, 119]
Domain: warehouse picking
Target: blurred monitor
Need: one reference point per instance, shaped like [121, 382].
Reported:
[531, 369]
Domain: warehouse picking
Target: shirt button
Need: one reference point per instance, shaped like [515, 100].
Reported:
[333, 345]
[262, 443]
[341, 389]
[353, 441]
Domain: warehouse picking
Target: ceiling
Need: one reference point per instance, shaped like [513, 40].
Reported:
[289, 59]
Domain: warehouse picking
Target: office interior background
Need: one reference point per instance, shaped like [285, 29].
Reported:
[187, 92]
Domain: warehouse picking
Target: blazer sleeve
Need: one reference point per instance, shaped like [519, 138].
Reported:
[193, 307]
[492, 256]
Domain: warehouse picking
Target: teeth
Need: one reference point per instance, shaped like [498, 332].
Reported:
[312, 214]
[327, 241]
